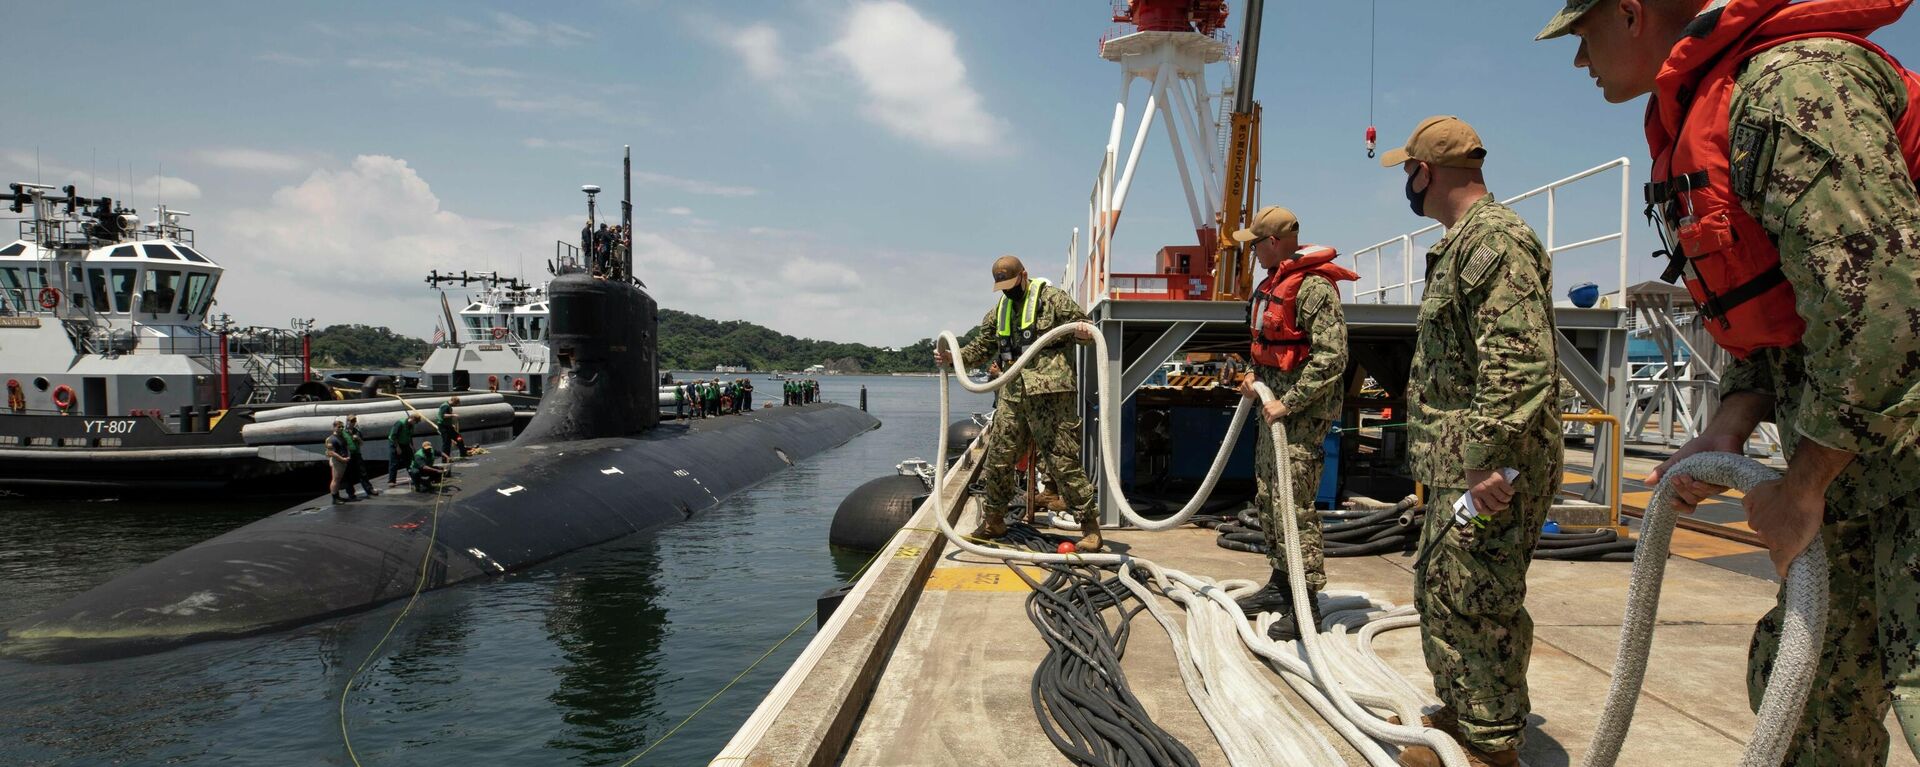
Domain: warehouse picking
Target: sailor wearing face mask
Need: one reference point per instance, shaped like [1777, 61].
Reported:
[1037, 409]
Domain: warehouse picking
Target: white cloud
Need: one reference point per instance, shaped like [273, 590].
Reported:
[693, 185]
[171, 189]
[505, 89]
[570, 145]
[367, 233]
[915, 83]
[510, 30]
[252, 160]
[351, 244]
[759, 48]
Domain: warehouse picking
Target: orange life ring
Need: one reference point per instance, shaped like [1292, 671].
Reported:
[520, 385]
[49, 298]
[63, 397]
[499, 334]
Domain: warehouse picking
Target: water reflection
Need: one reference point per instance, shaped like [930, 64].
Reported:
[607, 622]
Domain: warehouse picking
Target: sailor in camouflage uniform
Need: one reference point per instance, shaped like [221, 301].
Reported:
[1299, 350]
[1481, 398]
[1037, 410]
[1812, 155]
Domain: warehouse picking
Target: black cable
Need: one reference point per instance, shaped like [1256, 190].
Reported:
[1079, 691]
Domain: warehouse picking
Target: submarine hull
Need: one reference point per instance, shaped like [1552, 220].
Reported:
[594, 465]
[507, 510]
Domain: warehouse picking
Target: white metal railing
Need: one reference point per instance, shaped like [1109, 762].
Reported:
[1382, 290]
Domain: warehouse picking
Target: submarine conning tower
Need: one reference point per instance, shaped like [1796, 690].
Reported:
[604, 341]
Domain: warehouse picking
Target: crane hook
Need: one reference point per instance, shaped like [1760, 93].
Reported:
[1371, 135]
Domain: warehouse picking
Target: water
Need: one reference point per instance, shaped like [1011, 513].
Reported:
[585, 660]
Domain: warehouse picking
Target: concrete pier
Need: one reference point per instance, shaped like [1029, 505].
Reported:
[953, 689]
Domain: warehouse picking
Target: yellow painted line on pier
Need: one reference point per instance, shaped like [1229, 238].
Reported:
[1692, 545]
[1570, 478]
[996, 578]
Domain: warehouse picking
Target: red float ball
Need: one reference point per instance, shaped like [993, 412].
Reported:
[1067, 547]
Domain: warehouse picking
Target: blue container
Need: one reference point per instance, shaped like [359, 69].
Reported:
[1329, 492]
[1550, 528]
[1584, 295]
[1197, 432]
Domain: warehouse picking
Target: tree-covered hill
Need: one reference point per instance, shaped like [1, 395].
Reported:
[360, 346]
[687, 342]
[693, 342]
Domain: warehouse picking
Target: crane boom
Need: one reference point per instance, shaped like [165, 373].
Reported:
[1233, 267]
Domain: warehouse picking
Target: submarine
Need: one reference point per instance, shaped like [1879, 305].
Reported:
[596, 464]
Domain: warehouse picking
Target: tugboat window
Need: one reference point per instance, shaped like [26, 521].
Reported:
[196, 290]
[124, 251]
[14, 249]
[77, 286]
[123, 290]
[163, 286]
[207, 299]
[10, 279]
[191, 254]
[41, 384]
[97, 283]
[159, 251]
[156, 384]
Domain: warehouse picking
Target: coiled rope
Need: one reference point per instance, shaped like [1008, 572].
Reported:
[1785, 697]
[1804, 622]
[1340, 708]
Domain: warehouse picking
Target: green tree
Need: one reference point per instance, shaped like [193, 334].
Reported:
[361, 346]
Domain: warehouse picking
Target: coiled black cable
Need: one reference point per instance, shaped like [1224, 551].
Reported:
[1079, 691]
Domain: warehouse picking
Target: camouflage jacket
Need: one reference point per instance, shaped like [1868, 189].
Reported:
[1482, 393]
[1830, 184]
[1313, 389]
[1051, 371]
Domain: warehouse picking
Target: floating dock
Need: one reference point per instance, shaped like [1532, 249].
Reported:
[929, 659]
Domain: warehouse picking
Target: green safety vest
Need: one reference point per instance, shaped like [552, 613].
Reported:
[1012, 344]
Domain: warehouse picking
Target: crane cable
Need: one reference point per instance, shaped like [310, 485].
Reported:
[1373, 43]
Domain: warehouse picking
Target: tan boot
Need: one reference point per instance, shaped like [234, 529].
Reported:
[1089, 542]
[1421, 756]
[1443, 720]
[993, 526]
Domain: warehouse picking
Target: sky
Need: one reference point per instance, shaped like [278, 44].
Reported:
[833, 169]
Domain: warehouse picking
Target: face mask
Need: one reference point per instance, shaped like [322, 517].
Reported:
[1417, 200]
[1015, 293]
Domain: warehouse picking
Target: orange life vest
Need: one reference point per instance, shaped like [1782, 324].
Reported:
[1730, 263]
[1278, 340]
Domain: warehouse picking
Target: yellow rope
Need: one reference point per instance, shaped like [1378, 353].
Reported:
[420, 584]
[749, 669]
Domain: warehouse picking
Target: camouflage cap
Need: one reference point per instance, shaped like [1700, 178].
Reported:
[1442, 140]
[1563, 21]
[1270, 221]
[1007, 271]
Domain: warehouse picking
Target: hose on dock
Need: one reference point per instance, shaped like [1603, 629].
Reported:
[1357, 724]
[1316, 670]
[1080, 693]
[1804, 621]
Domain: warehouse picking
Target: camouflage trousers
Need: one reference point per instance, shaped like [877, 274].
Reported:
[1050, 424]
[1873, 637]
[1470, 586]
[1306, 449]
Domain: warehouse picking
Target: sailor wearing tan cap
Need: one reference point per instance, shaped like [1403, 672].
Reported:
[1037, 410]
[1480, 402]
[1299, 350]
[1785, 145]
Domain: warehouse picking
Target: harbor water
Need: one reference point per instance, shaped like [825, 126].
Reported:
[587, 660]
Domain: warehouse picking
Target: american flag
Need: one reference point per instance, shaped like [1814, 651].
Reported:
[439, 334]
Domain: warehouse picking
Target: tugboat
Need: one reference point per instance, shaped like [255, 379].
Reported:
[498, 344]
[117, 378]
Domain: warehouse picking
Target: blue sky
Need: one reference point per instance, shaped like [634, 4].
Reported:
[833, 169]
